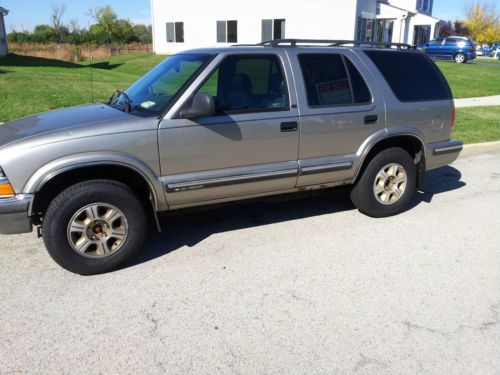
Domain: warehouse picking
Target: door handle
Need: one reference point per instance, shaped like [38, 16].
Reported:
[289, 126]
[371, 119]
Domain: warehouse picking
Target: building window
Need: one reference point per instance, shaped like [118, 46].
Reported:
[384, 30]
[273, 29]
[175, 32]
[227, 31]
[421, 34]
[365, 29]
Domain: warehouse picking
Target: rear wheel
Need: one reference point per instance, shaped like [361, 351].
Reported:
[387, 185]
[460, 58]
[94, 227]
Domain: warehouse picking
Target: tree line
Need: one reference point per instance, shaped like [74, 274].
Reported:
[481, 23]
[106, 29]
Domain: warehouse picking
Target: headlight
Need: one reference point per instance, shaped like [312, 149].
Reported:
[6, 190]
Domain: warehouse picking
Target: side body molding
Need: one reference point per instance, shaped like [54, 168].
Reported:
[77, 161]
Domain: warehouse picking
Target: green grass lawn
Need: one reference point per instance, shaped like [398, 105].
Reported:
[29, 85]
[477, 124]
[471, 80]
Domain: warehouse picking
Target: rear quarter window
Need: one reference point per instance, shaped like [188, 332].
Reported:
[412, 76]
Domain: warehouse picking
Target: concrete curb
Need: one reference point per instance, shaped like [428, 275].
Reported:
[477, 102]
[480, 148]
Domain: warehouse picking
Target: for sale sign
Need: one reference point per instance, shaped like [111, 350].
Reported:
[334, 92]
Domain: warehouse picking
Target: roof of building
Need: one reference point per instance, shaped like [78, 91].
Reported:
[3, 11]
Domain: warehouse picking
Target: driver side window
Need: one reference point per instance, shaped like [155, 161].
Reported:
[248, 83]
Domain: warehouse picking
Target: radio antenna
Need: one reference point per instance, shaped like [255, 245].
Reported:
[91, 76]
[91, 69]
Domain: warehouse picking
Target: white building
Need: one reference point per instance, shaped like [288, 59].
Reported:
[181, 25]
[3, 34]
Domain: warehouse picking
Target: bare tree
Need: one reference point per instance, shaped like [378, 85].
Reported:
[58, 11]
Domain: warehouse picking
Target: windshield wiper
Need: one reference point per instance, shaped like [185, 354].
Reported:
[127, 102]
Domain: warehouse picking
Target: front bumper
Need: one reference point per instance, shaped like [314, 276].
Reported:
[14, 217]
[440, 154]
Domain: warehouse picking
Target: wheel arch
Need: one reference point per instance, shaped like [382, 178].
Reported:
[409, 140]
[54, 177]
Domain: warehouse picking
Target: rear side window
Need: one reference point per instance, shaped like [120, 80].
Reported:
[411, 75]
[332, 80]
[451, 42]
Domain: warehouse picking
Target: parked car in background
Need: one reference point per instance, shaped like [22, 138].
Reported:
[482, 50]
[457, 48]
[494, 51]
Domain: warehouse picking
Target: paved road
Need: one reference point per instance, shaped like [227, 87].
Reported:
[308, 286]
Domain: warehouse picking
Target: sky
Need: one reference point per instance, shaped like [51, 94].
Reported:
[25, 14]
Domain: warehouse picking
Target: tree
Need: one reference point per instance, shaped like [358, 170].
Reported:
[58, 11]
[106, 28]
[19, 37]
[44, 34]
[446, 30]
[144, 33]
[482, 21]
[460, 29]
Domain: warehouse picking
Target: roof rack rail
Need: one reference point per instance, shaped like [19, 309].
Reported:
[332, 43]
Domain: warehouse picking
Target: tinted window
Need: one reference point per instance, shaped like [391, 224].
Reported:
[248, 83]
[436, 42]
[327, 80]
[411, 75]
[359, 87]
[451, 42]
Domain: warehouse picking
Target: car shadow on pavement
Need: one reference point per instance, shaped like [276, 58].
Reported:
[190, 228]
[439, 181]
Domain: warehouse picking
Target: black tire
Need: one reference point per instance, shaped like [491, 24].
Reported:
[460, 58]
[62, 209]
[363, 195]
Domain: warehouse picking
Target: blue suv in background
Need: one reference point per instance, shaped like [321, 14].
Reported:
[457, 48]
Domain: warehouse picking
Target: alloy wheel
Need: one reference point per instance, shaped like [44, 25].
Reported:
[97, 230]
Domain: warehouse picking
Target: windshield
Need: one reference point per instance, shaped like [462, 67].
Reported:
[153, 92]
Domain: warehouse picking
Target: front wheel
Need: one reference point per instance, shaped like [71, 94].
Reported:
[94, 227]
[387, 185]
[460, 58]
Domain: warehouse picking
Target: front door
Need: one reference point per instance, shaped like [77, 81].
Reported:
[248, 147]
[338, 113]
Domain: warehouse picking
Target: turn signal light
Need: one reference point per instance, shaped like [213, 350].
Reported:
[453, 117]
[6, 190]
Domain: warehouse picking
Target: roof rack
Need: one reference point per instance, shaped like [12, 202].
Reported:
[332, 43]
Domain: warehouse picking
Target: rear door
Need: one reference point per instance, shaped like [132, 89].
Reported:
[248, 147]
[449, 48]
[340, 107]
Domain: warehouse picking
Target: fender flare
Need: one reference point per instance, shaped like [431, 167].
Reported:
[384, 134]
[78, 161]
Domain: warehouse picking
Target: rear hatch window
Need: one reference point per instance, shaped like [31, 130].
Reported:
[412, 76]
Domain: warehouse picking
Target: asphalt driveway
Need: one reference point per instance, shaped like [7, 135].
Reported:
[305, 286]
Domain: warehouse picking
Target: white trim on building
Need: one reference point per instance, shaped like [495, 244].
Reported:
[191, 24]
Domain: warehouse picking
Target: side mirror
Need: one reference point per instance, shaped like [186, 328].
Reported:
[203, 105]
